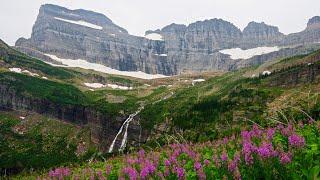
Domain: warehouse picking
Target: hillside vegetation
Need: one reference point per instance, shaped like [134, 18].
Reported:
[231, 125]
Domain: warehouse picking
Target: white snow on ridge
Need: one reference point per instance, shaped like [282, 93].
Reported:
[264, 73]
[30, 73]
[237, 53]
[80, 63]
[19, 70]
[95, 85]
[113, 86]
[16, 70]
[162, 55]
[81, 23]
[197, 80]
[154, 36]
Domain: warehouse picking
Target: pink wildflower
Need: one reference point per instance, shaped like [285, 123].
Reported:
[296, 141]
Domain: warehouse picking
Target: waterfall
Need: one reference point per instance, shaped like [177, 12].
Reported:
[126, 125]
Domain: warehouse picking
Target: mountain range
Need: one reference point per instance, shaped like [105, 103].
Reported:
[172, 50]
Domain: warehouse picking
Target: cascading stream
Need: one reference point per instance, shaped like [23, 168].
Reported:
[126, 125]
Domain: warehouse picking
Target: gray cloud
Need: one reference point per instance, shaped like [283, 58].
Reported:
[137, 16]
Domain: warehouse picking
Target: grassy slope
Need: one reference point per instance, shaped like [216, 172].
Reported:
[212, 108]
[38, 142]
[204, 112]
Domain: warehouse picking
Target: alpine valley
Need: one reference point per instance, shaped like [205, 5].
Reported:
[83, 99]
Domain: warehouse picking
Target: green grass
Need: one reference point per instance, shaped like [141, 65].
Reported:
[56, 92]
[44, 143]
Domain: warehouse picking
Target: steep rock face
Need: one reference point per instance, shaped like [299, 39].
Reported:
[260, 34]
[282, 53]
[99, 40]
[310, 35]
[307, 73]
[194, 48]
[314, 23]
[103, 126]
[176, 48]
[201, 37]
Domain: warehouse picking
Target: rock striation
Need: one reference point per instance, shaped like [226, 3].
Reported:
[174, 49]
[260, 34]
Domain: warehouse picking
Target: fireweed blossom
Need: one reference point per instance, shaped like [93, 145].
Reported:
[167, 162]
[266, 150]
[108, 170]
[131, 172]
[270, 133]
[206, 162]
[285, 158]
[296, 141]
[197, 165]
[60, 172]
[181, 160]
[224, 156]
[180, 172]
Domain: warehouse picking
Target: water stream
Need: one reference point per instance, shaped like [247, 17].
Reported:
[125, 136]
[125, 125]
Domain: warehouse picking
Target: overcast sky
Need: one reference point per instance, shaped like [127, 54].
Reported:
[137, 16]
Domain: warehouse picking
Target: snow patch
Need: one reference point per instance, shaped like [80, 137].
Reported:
[80, 63]
[81, 23]
[113, 86]
[162, 55]
[237, 53]
[30, 73]
[154, 36]
[197, 80]
[266, 73]
[95, 85]
[16, 70]
[44, 77]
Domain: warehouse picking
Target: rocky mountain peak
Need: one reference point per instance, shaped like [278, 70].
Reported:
[259, 34]
[158, 31]
[314, 23]
[174, 28]
[218, 25]
[50, 11]
[261, 29]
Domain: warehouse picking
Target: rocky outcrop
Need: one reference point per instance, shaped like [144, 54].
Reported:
[313, 23]
[81, 34]
[301, 74]
[284, 52]
[260, 34]
[310, 35]
[103, 126]
[56, 32]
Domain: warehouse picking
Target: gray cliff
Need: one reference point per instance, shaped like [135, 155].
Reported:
[192, 48]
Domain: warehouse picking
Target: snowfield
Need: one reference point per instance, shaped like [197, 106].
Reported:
[197, 80]
[154, 36]
[113, 86]
[81, 23]
[94, 85]
[16, 70]
[162, 55]
[19, 70]
[80, 63]
[237, 53]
